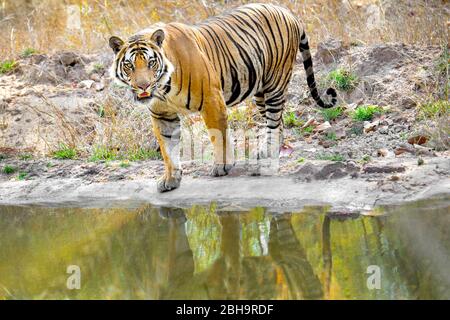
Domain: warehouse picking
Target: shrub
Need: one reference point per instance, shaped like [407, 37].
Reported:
[291, 120]
[366, 113]
[7, 66]
[331, 113]
[64, 152]
[343, 79]
[7, 169]
[22, 176]
[433, 109]
[27, 52]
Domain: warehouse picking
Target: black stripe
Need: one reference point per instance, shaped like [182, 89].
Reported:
[188, 103]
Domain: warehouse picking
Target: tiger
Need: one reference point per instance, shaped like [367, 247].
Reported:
[177, 69]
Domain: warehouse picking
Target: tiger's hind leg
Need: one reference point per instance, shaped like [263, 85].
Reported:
[270, 130]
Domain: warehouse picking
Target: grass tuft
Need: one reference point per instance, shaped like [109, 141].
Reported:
[343, 79]
[433, 109]
[290, 119]
[332, 113]
[64, 152]
[7, 169]
[7, 66]
[366, 113]
[28, 52]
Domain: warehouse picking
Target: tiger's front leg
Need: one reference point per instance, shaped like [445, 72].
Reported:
[167, 132]
[215, 116]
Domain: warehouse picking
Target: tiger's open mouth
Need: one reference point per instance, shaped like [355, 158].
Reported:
[143, 95]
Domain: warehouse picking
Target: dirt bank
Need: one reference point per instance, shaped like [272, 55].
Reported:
[399, 152]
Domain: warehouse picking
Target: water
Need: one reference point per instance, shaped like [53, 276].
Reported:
[151, 253]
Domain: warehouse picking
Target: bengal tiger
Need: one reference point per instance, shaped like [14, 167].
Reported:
[176, 69]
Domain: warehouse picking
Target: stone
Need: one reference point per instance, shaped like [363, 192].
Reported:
[322, 127]
[68, 58]
[85, 84]
[418, 139]
[383, 169]
[370, 126]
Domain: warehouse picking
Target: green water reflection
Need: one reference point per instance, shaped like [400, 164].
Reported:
[152, 253]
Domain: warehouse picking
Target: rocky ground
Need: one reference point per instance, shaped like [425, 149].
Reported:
[49, 100]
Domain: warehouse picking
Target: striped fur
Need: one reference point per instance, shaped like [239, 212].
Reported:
[246, 52]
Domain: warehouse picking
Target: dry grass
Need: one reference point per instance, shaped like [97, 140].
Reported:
[51, 25]
[114, 124]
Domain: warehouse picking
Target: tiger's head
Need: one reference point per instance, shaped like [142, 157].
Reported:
[140, 63]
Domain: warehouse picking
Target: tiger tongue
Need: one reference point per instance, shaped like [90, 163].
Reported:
[144, 95]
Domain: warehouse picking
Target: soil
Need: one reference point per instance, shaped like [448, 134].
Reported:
[394, 153]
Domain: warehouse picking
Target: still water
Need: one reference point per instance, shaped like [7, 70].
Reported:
[199, 253]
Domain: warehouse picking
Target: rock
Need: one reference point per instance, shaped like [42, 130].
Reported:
[404, 148]
[99, 86]
[340, 134]
[335, 170]
[95, 77]
[383, 130]
[322, 127]
[37, 58]
[327, 143]
[87, 84]
[418, 139]
[285, 151]
[384, 153]
[68, 58]
[424, 151]
[383, 169]
[311, 122]
[370, 126]
[330, 50]
[408, 103]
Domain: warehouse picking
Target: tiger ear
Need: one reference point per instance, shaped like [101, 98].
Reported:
[115, 43]
[158, 37]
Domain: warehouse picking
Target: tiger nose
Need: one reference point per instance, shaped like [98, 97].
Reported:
[143, 85]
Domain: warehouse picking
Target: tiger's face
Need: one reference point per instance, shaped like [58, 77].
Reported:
[140, 63]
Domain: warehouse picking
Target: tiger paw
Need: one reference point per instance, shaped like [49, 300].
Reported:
[166, 184]
[220, 170]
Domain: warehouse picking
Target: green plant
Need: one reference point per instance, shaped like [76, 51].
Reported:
[332, 113]
[144, 154]
[332, 157]
[291, 120]
[101, 111]
[366, 112]
[98, 67]
[365, 159]
[103, 154]
[49, 165]
[331, 135]
[124, 164]
[25, 156]
[28, 52]
[7, 66]
[308, 129]
[443, 61]
[7, 169]
[64, 152]
[343, 79]
[300, 160]
[22, 175]
[433, 109]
